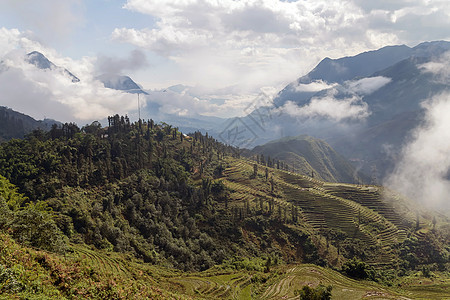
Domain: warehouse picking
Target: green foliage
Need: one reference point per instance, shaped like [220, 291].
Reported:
[32, 224]
[127, 187]
[9, 282]
[321, 292]
[358, 269]
[249, 264]
[9, 192]
[426, 251]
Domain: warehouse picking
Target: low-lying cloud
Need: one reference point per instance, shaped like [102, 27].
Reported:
[329, 107]
[423, 170]
[366, 86]
[315, 86]
[194, 101]
[440, 68]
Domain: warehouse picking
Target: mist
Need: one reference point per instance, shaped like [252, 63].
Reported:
[422, 172]
[329, 107]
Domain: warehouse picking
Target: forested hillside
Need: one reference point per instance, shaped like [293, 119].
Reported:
[16, 125]
[142, 200]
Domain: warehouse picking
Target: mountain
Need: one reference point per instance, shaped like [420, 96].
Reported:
[121, 83]
[40, 61]
[359, 66]
[15, 125]
[310, 156]
[364, 106]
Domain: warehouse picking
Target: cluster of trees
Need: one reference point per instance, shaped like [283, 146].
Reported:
[30, 223]
[141, 188]
[127, 187]
[271, 162]
[320, 292]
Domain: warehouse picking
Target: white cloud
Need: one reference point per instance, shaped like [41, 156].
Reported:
[282, 40]
[250, 43]
[424, 168]
[439, 67]
[49, 93]
[315, 86]
[192, 101]
[366, 86]
[352, 108]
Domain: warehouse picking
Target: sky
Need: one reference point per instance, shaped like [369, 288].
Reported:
[228, 51]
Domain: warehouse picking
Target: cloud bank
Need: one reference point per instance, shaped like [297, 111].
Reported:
[440, 68]
[52, 94]
[315, 86]
[194, 101]
[423, 172]
[268, 42]
[329, 107]
[366, 86]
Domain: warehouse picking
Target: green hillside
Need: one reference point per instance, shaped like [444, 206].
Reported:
[16, 125]
[310, 156]
[139, 210]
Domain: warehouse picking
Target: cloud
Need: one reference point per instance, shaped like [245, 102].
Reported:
[352, 108]
[265, 42]
[315, 86]
[250, 43]
[423, 170]
[366, 86]
[194, 101]
[113, 65]
[440, 68]
[45, 93]
[50, 93]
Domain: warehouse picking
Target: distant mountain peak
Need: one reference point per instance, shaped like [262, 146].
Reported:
[41, 62]
[120, 83]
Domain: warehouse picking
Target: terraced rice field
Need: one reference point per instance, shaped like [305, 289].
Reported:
[361, 212]
[102, 262]
[281, 283]
[285, 280]
[223, 286]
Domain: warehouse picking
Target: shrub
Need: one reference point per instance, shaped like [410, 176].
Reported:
[321, 292]
[8, 281]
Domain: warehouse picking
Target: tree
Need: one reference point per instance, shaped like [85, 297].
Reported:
[255, 170]
[321, 292]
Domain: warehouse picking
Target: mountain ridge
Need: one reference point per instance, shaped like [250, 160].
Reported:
[311, 156]
[14, 124]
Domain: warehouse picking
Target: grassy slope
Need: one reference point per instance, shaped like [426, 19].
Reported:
[367, 213]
